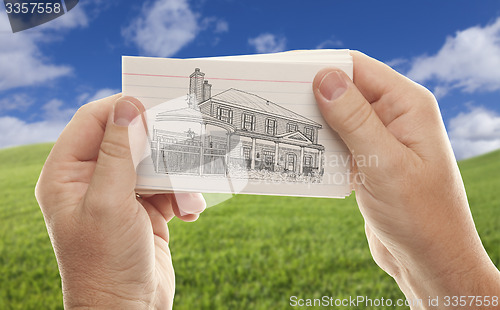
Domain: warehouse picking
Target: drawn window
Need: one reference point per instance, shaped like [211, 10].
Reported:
[269, 157]
[169, 140]
[225, 114]
[291, 127]
[248, 122]
[271, 126]
[309, 133]
[308, 161]
[246, 152]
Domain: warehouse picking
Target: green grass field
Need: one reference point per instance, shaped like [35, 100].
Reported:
[250, 252]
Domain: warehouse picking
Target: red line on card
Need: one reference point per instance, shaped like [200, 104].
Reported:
[214, 78]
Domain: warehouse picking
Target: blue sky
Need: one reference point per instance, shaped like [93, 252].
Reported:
[451, 47]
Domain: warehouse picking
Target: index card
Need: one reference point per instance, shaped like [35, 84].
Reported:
[238, 124]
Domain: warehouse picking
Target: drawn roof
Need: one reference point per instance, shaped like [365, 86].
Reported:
[191, 114]
[254, 102]
[187, 112]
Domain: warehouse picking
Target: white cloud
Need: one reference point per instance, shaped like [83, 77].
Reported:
[73, 19]
[102, 93]
[164, 27]
[396, 62]
[54, 117]
[23, 64]
[54, 111]
[330, 43]
[16, 102]
[216, 24]
[21, 61]
[99, 94]
[268, 43]
[469, 61]
[18, 132]
[221, 26]
[475, 132]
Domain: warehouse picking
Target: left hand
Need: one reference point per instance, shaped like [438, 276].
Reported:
[111, 247]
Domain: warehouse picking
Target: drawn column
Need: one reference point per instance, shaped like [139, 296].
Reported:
[157, 163]
[301, 160]
[228, 149]
[203, 130]
[276, 155]
[252, 163]
[321, 161]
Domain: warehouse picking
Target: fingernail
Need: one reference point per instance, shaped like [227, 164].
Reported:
[190, 203]
[124, 112]
[332, 85]
[138, 141]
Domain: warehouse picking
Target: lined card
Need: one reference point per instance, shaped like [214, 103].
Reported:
[238, 124]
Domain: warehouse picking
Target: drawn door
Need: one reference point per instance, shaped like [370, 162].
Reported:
[290, 162]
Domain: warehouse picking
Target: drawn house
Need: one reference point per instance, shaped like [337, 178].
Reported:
[235, 130]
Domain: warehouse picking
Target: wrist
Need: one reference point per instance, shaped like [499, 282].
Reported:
[81, 296]
[469, 275]
[101, 300]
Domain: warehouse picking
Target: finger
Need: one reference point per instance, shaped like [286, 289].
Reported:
[163, 203]
[158, 222]
[114, 177]
[188, 206]
[81, 139]
[346, 111]
[190, 203]
[381, 255]
[383, 87]
[372, 77]
[72, 159]
[408, 110]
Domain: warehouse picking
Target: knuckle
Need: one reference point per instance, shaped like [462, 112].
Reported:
[100, 208]
[51, 197]
[414, 180]
[355, 118]
[425, 96]
[84, 109]
[45, 194]
[114, 149]
[40, 193]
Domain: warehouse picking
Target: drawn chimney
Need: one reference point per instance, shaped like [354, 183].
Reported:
[199, 89]
[196, 85]
[207, 90]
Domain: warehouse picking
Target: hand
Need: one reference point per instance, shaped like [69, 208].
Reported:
[111, 247]
[409, 189]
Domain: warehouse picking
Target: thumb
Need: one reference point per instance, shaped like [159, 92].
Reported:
[114, 178]
[347, 112]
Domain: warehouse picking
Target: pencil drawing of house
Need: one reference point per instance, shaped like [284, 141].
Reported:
[235, 131]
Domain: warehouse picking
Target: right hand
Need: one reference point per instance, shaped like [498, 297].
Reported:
[418, 223]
